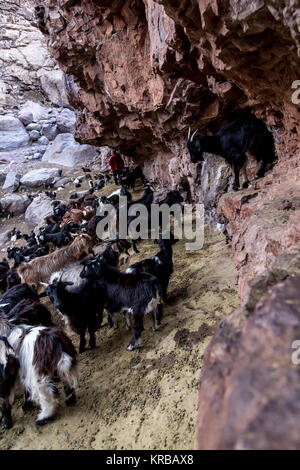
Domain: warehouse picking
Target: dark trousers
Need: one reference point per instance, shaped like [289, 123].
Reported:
[117, 176]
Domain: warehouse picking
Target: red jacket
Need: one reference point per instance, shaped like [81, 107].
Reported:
[116, 162]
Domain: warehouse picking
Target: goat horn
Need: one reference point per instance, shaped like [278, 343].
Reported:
[194, 135]
[189, 133]
[85, 235]
[43, 284]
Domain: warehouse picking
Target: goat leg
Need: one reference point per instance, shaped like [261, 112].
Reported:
[48, 401]
[261, 172]
[70, 394]
[5, 412]
[157, 316]
[82, 343]
[7, 415]
[112, 321]
[138, 327]
[99, 318]
[236, 184]
[91, 330]
[134, 246]
[28, 403]
[245, 177]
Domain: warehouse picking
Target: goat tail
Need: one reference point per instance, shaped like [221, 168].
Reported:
[53, 351]
[68, 371]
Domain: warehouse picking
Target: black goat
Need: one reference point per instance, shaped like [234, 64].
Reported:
[30, 239]
[26, 254]
[4, 268]
[58, 239]
[160, 265]
[14, 295]
[173, 197]
[243, 137]
[29, 312]
[133, 294]
[130, 177]
[147, 197]
[82, 308]
[9, 369]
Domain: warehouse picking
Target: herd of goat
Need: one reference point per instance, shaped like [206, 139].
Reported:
[59, 263]
[60, 257]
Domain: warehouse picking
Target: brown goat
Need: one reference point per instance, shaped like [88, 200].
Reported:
[77, 216]
[40, 269]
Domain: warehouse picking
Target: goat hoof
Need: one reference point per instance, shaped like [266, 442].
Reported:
[130, 347]
[71, 400]
[235, 188]
[42, 422]
[245, 185]
[7, 423]
[27, 406]
[92, 346]
[81, 350]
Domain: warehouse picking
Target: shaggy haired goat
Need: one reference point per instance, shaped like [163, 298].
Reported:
[9, 369]
[40, 269]
[43, 353]
[245, 136]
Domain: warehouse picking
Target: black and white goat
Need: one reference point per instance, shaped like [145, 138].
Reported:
[44, 354]
[9, 369]
[243, 138]
[133, 294]
[160, 265]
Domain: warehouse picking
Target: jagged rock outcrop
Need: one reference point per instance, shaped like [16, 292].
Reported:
[27, 70]
[249, 394]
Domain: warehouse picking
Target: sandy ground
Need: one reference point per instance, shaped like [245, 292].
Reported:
[145, 399]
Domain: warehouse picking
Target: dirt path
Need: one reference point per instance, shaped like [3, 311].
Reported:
[145, 399]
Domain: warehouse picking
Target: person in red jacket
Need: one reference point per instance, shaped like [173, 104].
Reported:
[116, 164]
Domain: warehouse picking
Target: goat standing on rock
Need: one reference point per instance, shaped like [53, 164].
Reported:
[240, 139]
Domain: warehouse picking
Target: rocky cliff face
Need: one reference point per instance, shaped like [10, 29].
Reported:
[146, 71]
[27, 69]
